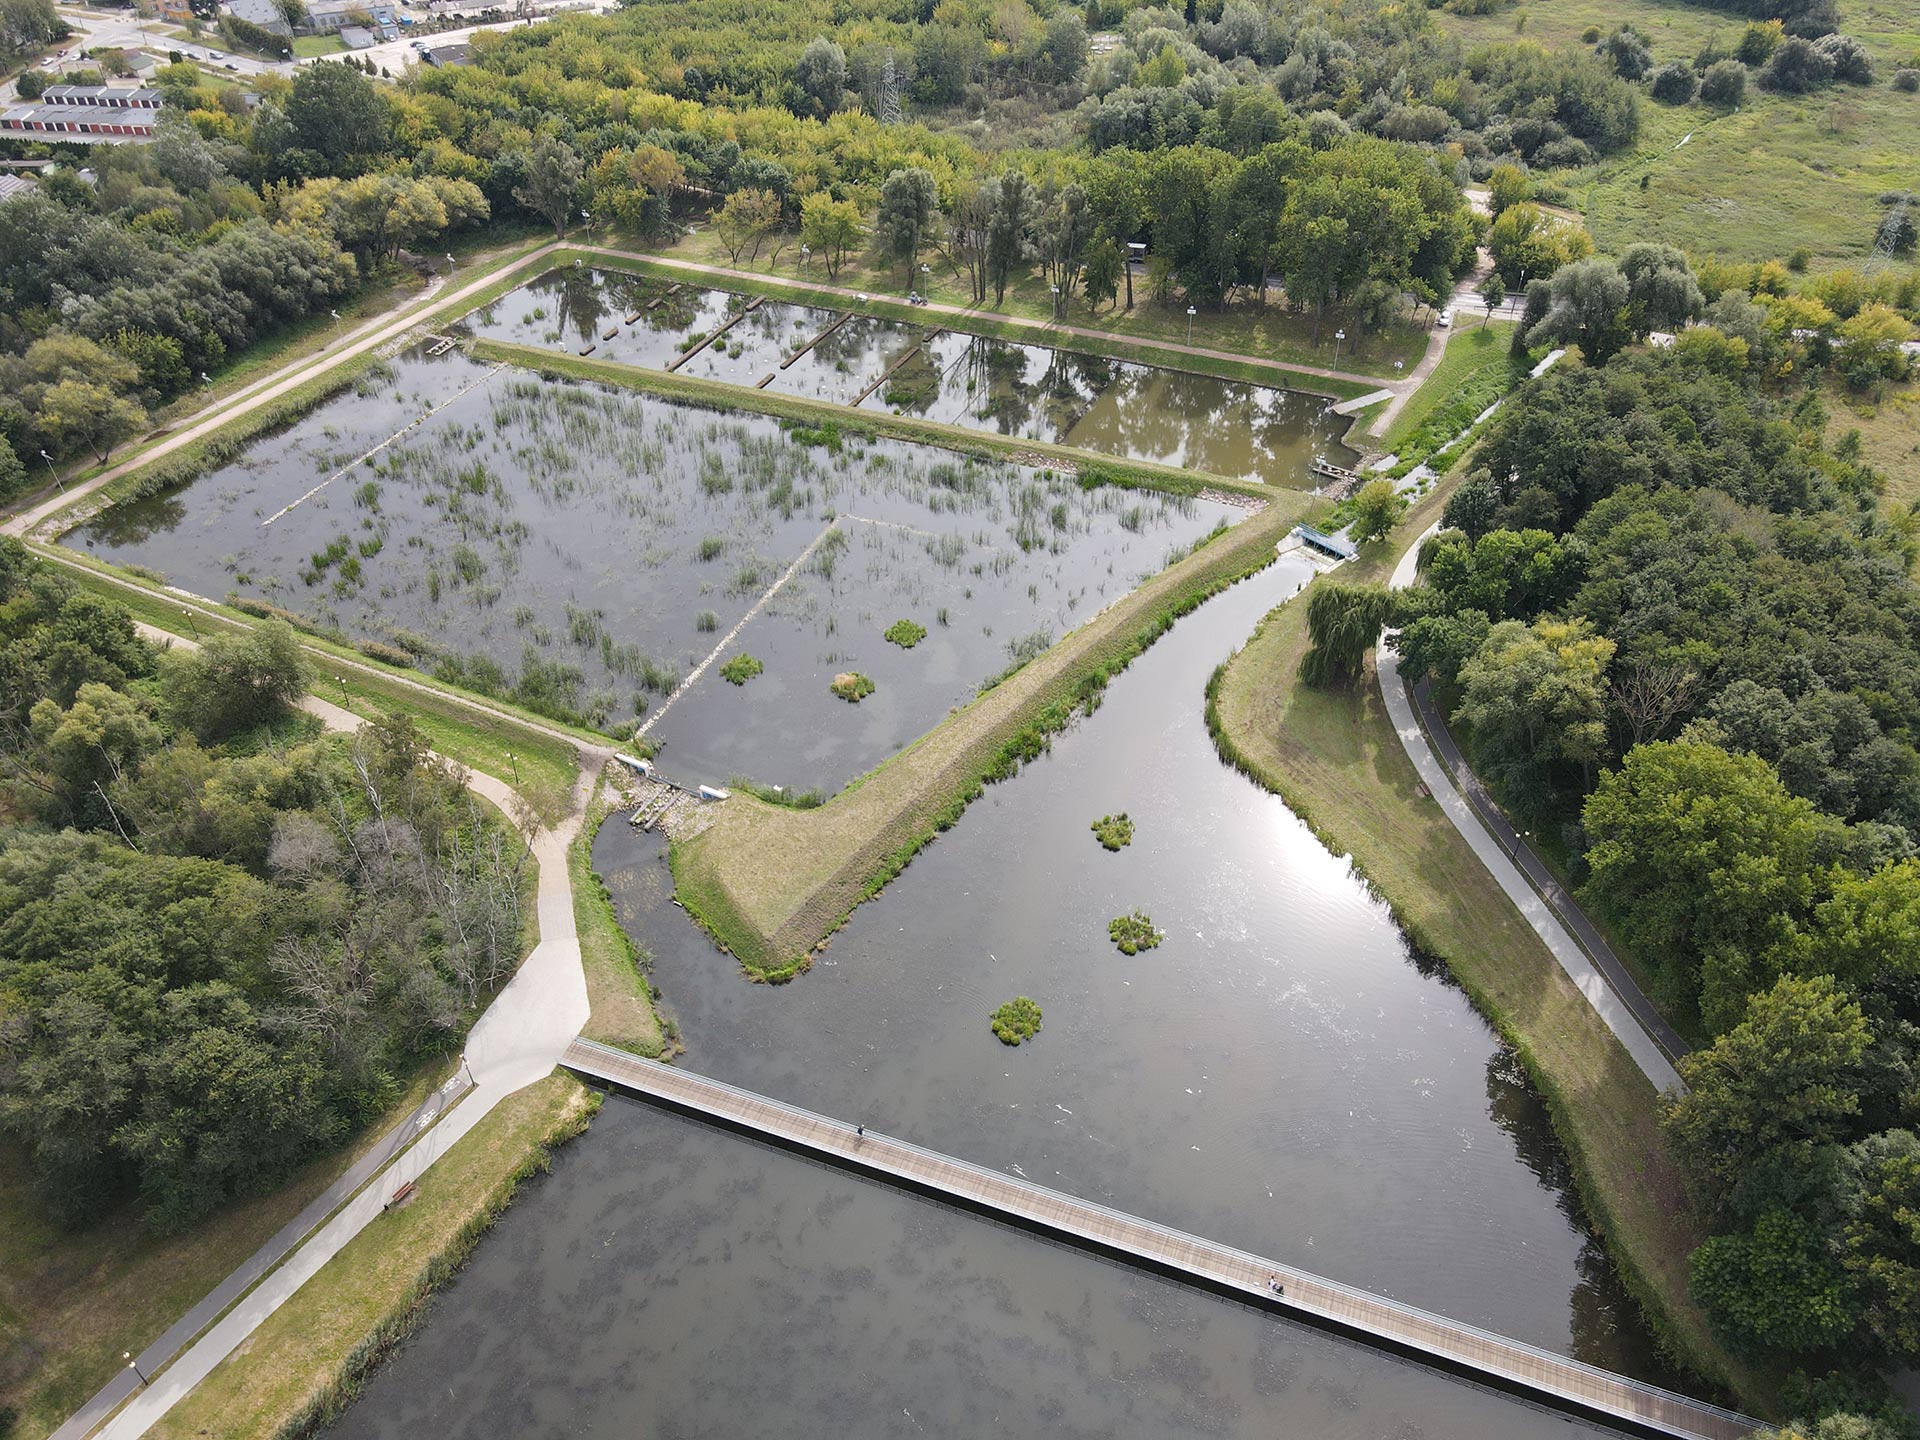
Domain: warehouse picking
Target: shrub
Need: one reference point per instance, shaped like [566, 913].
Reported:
[1133, 933]
[1016, 1021]
[906, 634]
[1724, 84]
[1848, 57]
[1674, 83]
[740, 669]
[852, 687]
[1906, 80]
[706, 622]
[1797, 66]
[1114, 831]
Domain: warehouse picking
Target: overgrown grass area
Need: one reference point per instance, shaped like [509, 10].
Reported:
[1115, 832]
[617, 990]
[1335, 759]
[1016, 1022]
[72, 1300]
[306, 1362]
[721, 396]
[1286, 336]
[770, 884]
[486, 736]
[1134, 932]
[1261, 365]
[1889, 437]
[1783, 172]
[1474, 371]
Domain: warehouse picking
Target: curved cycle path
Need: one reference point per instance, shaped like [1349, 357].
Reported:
[1602, 978]
[517, 1040]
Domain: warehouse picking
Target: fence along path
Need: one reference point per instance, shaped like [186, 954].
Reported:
[1510, 1365]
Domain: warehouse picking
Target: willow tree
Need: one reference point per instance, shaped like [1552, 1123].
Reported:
[1342, 621]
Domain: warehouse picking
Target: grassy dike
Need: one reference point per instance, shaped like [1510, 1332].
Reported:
[1337, 762]
[974, 322]
[873, 424]
[305, 1364]
[619, 997]
[771, 884]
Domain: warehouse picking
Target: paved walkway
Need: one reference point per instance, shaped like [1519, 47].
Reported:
[1608, 987]
[518, 1040]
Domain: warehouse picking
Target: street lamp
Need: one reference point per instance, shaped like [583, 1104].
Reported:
[336, 321]
[206, 379]
[1136, 251]
[53, 472]
[184, 610]
[1056, 300]
[516, 767]
[449, 262]
[134, 1365]
[1338, 336]
[584, 215]
[806, 260]
[1191, 312]
[345, 699]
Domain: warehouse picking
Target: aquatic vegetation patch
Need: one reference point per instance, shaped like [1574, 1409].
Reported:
[906, 634]
[1134, 933]
[852, 687]
[740, 669]
[1114, 831]
[1016, 1021]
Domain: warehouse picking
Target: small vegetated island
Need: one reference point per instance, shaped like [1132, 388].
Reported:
[1114, 831]
[1017, 1021]
[852, 687]
[740, 669]
[1134, 933]
[906, 633]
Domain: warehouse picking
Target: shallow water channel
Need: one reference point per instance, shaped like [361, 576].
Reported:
[1281, 1073]
[1033, 392]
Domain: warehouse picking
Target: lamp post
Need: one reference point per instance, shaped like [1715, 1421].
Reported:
[1056, 300]
[806, 261]
[1191, 312]
[345, 699]
[134, 1365]
[584, 215]
[1338, 336]
[190, 623]
[336, 323]
[449, 263]
[53, 472]
[516, 767]
[1136, 250]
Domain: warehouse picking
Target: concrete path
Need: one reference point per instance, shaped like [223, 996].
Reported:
[1610, 990]
[518, 1040]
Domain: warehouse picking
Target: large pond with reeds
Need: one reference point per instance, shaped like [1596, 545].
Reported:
[595, 548]
[1032, 392]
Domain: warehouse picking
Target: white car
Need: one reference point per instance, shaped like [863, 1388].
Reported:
[1446, 319]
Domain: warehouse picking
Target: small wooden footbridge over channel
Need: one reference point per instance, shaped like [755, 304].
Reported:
[1527, 1371]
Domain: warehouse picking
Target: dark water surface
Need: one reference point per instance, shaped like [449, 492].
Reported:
[1280, 1074]
[671, 1281]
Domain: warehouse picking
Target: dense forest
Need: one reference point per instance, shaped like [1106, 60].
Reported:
[225, 939]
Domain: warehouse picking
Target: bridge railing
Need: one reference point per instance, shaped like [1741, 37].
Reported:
[625, 1061]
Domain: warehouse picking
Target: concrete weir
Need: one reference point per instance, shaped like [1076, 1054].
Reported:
[1513, 1366]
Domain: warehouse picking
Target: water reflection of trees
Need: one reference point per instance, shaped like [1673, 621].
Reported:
[136, 522]
[582, 303]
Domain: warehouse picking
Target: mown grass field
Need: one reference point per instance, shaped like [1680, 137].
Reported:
[1781, 173]
[305, 1361]
[1335, 759]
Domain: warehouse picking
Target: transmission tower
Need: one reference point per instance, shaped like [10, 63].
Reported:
[888, 106]
[1887, 240]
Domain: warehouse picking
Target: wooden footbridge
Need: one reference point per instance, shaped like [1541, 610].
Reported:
[1524, 1370]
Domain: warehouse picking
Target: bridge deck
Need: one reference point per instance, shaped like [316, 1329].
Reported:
[1511, 1365]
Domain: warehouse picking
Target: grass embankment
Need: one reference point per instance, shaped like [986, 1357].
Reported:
[1272, 370]
[720, 395]
[72, 1300]
[620, 998]
[770, 884]
[1335, 759]
[484, 735]
[1249, 329]
[1474, 371]
[305, 1363]
[1781, 173]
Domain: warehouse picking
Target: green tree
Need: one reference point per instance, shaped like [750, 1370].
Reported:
[907, 209]
[1707, 865]
[1788, 1076]
[1493, 293]
[235, 681]
[1881, 1247]
[1343, 622]
[821, 74]
[745, 221]
[552, 183]
[1376, 510]
[77, 414]
[1103, 272]
[830, 228]
[1535, 700]
[1529, 244]
[1776, 1289]
[1586, 306]
[338, 114]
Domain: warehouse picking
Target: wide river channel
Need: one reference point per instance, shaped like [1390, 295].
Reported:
[1283, 1073]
